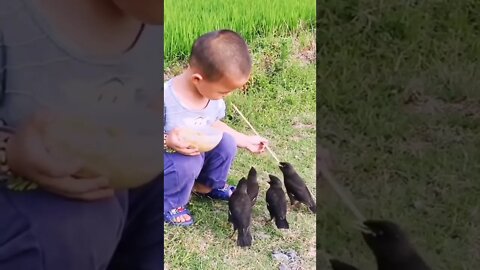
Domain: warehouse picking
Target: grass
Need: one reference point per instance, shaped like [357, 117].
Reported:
[280, 104]
[186, 21]
[398, 106]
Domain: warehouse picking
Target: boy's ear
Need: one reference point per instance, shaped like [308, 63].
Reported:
[196, 78]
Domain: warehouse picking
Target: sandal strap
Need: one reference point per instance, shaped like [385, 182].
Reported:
[170, 216]
[178, 211]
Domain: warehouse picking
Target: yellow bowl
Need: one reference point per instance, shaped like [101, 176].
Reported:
[124, 153]
[204, 139]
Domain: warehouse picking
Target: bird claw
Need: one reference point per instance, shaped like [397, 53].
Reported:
[296, 205]
[232, 235]
[364, 229]
[267, 221]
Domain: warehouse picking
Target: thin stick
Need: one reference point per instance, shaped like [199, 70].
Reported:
[325, 172]
[248, 123]
[341, 192]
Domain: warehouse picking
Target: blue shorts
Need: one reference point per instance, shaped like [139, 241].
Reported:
[40, 230]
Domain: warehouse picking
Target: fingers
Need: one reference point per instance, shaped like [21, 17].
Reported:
[95, 195]
[82, 189]
[34, 155]
[58, 167]
[189, 151]
[263, 141]
[86, 196]
[73, 186]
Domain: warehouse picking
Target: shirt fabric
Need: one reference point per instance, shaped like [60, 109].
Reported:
[38, 68]
[177, 115]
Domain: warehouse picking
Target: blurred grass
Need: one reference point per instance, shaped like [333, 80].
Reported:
[398, 104]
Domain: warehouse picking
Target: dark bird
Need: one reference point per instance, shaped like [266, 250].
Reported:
[338, 265]
[252, 185]
[240, 213]
[296, 188]
[391, 246]
[277, 202]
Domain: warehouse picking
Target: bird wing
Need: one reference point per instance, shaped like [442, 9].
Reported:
[241, 212]
[299, 189]
[275, 204]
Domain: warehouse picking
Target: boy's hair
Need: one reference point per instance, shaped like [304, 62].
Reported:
[219, 52]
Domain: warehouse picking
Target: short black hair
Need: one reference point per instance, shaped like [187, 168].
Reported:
[218, 52]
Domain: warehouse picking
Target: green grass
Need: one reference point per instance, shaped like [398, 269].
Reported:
[398, 107]
[280, 104]
[185, 21]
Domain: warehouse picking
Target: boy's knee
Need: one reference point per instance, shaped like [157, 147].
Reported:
[228, 145]
[186, 167]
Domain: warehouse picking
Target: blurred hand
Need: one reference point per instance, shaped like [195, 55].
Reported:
[29, 158]
[175, 142]
[254, 144]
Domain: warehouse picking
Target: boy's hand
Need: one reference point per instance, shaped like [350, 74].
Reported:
[28, 157]
[175, 142]
[254, 144]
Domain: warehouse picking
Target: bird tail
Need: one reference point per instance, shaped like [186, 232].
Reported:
[281, 223]
[313, 207]
[244, 238]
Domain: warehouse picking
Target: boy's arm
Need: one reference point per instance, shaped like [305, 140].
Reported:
[254, 144]
[238, 136]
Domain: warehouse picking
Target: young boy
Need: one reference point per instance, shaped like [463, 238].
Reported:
[219, 63]
[67, 222]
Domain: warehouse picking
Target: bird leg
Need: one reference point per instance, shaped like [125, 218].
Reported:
[231, 236]
[364, 229]
[267, 221]
[296, 205]
[292, 198]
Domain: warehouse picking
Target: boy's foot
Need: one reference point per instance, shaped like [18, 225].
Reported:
[221, 193]
[179, 217]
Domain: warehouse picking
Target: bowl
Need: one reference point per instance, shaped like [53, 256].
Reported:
[204, 139]
[125, 149]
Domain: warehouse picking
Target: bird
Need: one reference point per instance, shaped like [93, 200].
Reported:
[277, 202]
[391, 246]
[240, 213]
[252, 185]
[338, 265]
[296, 188]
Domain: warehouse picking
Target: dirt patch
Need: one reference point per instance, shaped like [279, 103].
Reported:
[297, 138]
[297, 124]
[416, 146]
[306, 55]
[303, 126]
[475, 242]
[420, 104]
[173, 71]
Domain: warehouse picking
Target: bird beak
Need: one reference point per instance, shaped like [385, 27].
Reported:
[364, 228]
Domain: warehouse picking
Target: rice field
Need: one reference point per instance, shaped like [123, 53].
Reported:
[185, 21]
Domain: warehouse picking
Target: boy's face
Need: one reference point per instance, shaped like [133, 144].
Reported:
[218, 89]
[147, 11]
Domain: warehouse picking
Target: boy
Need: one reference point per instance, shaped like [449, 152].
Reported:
[67, 222]
[219, 63]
